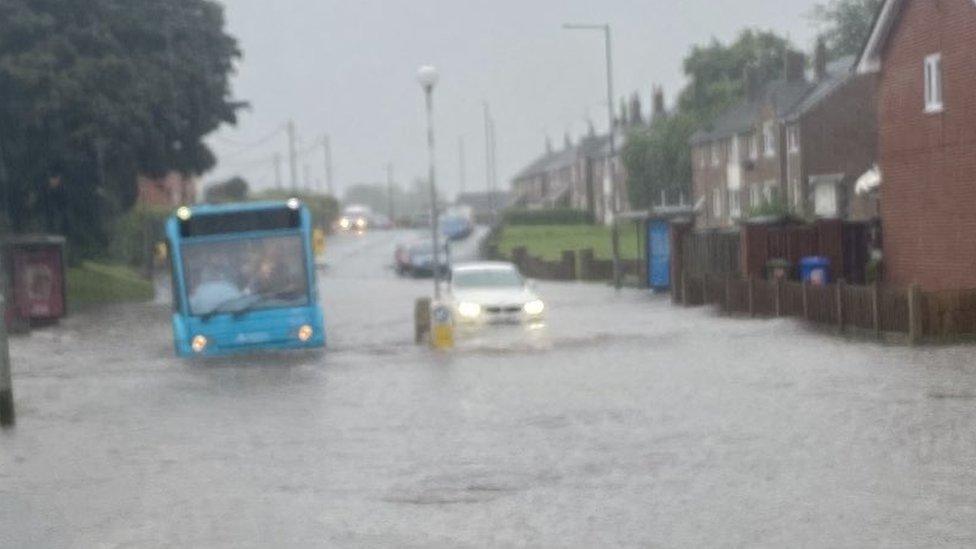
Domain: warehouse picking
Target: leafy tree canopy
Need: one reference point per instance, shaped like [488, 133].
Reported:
[93, 93]
[848, 24]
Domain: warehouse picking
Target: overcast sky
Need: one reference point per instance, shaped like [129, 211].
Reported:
[347, 68]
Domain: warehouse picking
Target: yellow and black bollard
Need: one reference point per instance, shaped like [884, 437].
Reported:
[441, 326]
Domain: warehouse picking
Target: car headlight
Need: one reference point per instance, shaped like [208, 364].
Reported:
[469, 310]
[534, 307]
[199, 344]
[305, 333]
[345, 223]
[361, 223]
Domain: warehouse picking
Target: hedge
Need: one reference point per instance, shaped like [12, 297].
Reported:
[562, 216]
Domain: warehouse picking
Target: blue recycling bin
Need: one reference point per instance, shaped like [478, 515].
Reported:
[815, 270]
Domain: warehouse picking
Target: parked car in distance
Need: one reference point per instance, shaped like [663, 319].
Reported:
[457, 223]
[489, 293]
[419, 259]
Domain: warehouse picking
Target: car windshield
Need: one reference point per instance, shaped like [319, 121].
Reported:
[236, 275]
[487, 278]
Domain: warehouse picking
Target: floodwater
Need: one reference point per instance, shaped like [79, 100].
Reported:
[628, 422]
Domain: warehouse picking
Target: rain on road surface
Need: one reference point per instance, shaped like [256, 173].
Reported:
[634, 423]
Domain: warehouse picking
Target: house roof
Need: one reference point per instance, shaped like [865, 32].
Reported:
[870, 58]
[783, 95]
[839, 72]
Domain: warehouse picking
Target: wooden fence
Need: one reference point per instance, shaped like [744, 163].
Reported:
[582, 265]
[867, 309]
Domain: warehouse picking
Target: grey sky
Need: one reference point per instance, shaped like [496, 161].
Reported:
[347, 68]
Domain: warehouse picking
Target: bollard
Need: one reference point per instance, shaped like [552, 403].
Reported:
[6, 382]
[421, 319]
[441, 326]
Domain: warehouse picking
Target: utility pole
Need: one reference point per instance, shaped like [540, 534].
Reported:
[277, 171]
[461, 167]
[427, 76]
[391, 205]
[292, 155]
[308, 178]
[7, 418]
[490, 160]
[327, 145]
[611, 158]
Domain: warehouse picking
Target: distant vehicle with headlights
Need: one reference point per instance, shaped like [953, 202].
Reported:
[244, 279]
[492, 293]
[355, 218]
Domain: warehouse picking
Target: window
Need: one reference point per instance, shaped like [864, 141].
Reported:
[755, 196]
[769, 190]
[735, 205]
[717, 204]
[769, 139]
[703, 156]
[933, 83]
[793, 138]
[754, 146]
[716, 155]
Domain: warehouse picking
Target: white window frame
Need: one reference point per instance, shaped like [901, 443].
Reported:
[933, 84]
[735, 204]
[717, 212]
[754, 145]
[769, 139]
[793, 138]
[755, 196]
[703, 156]
[716, 155]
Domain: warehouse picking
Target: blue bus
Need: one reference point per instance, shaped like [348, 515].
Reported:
[244, 279]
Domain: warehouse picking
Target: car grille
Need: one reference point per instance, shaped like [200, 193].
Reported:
[499, 310]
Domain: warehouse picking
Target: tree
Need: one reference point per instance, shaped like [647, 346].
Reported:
[658, 159]
[94, 93]
[716, 72]
[234, 189]
[848, 24]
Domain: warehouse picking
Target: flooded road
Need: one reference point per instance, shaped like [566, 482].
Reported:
[631, 423]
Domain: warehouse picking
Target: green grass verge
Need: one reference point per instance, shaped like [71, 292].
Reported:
[99, 283]
[550, 241]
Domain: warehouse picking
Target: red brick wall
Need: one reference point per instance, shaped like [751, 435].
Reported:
[928, 161]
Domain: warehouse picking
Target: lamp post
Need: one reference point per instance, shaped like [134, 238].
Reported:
[427, 77]
[615, 227]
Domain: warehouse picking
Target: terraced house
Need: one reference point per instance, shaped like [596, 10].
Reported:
[798, 144]
[923, 54]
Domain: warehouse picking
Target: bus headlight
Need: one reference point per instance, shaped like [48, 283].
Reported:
[184, 213]
[305, 333]
[199, 344]
[293, 203]
[469, 310]
[534, 308]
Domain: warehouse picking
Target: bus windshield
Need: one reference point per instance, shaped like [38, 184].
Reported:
[235, 276]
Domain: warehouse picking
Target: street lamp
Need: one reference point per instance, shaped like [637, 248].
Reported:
[615, 227]
[427, 77]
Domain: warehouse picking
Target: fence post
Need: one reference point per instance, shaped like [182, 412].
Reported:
[704, 285]
[806, 300]
[778, 298]
[684, 289]
[876, 307]
[569, 265]
[839, 294]
[914, 315]
[6, 381]
[728, 294]
[752, 296]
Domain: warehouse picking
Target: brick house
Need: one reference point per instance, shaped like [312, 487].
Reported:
[797, 144]
[923, 54]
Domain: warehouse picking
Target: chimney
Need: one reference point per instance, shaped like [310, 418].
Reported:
[796, 64]
[636, 112]
[820, 60]
[657, 104]
[750, 83]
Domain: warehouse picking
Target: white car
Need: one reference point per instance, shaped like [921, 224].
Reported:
[493, 293]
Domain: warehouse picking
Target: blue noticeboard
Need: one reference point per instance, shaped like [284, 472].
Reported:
[659, 255]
